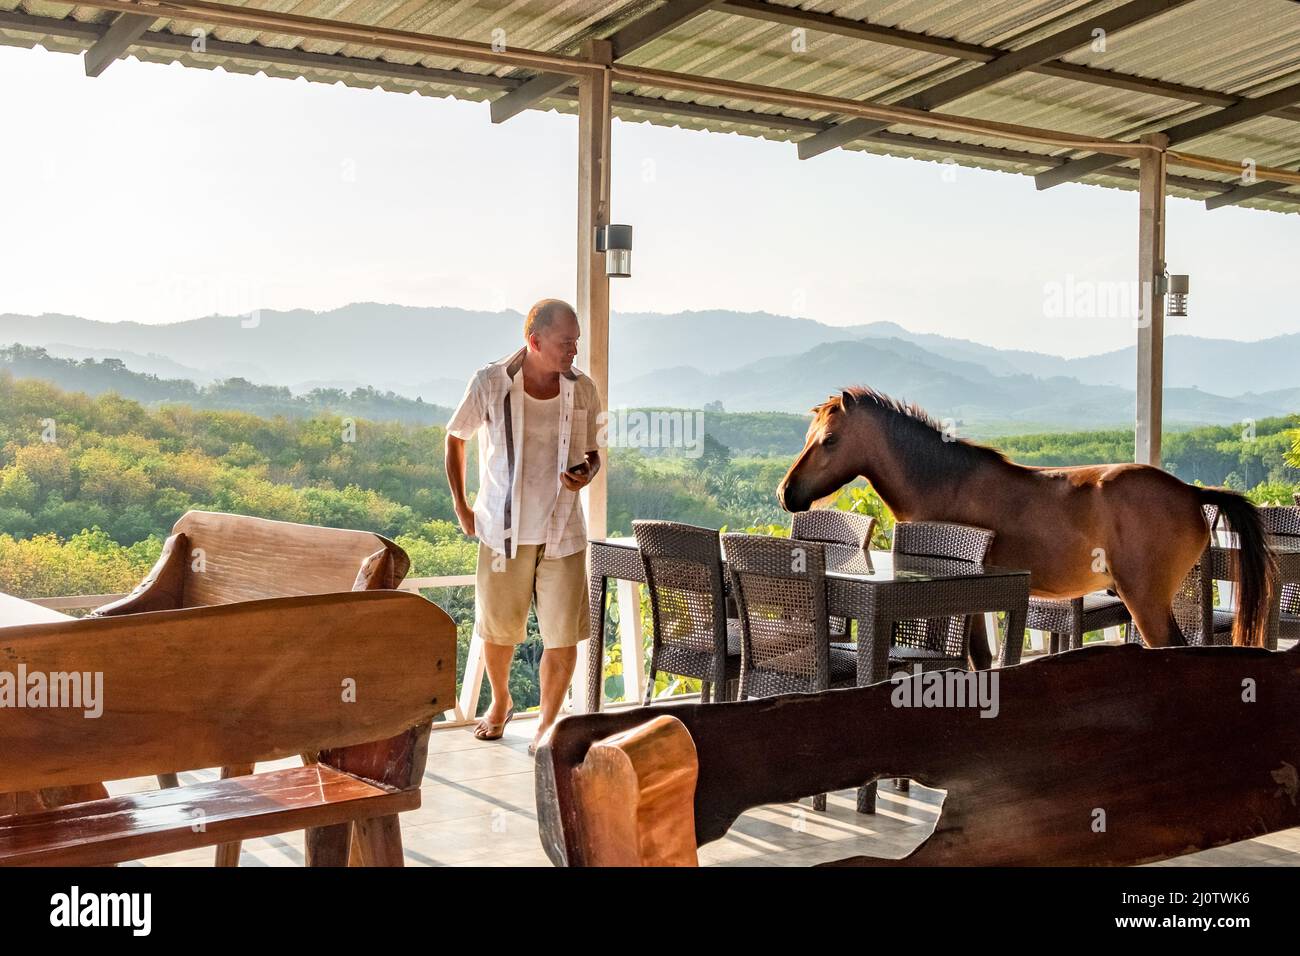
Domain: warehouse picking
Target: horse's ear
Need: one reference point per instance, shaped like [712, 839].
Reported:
[847, 400]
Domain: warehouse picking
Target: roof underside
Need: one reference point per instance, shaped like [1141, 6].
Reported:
[1184, 63]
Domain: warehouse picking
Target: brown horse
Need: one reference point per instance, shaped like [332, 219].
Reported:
[1133, 528]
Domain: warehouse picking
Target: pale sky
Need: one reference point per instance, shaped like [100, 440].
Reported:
[163, 193]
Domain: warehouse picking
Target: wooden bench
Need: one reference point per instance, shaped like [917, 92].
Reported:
[353, 678]
[1101, 756]
[215, 558]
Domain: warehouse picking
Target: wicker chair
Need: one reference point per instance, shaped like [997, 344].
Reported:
[832, 526]
[1194, 607]
[688, 604]
[1284, 522]
[936, 643]
[780, 586]
[1067, 621]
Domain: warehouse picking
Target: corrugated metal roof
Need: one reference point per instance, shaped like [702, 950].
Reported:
[1218, 47]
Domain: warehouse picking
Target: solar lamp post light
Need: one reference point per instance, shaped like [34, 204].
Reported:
[1175, 287]
[616, 242]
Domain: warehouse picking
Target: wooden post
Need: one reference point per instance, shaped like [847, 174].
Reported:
[1151, 324]
[593, 285]
[593, 293]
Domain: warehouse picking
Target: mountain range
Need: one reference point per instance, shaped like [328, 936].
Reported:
[745, 361]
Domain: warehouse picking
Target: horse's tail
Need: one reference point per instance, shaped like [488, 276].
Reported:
[1255, 565]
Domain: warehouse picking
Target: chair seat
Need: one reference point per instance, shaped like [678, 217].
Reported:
[163, 821]
[843, 661]
[1100, 610]
[676, 657]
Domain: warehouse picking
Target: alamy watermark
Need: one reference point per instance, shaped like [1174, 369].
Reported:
[130, 910]
[948, 688]
[626, 428]
[74, 690]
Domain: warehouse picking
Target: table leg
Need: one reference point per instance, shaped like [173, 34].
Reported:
[1015, 638]
[596, 643]
[874, 632]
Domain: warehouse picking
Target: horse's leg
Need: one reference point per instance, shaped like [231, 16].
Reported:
[1152, 611]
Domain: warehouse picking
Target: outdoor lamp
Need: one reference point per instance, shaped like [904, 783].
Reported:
[1176, 288]
[616, 243]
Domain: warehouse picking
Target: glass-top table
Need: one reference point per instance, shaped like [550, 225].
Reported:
[874, 588]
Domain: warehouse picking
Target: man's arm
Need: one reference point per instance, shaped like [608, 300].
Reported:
[454, 462]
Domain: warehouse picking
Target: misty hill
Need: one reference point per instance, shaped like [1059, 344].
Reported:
[963, 391]
[746, 361]
[95, 377]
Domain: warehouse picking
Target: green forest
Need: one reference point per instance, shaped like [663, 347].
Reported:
[91, 485]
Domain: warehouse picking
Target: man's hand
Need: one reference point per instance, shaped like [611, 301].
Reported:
[579, 480]
[466, 518]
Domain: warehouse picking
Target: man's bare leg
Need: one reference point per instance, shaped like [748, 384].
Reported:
[496, 661]
[557, 674]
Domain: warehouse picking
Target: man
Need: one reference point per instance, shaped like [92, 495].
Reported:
[537, 418]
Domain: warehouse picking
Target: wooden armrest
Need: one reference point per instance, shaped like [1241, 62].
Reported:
[635, 796]
[163, 587]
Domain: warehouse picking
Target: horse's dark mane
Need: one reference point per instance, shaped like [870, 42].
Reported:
[917, 435]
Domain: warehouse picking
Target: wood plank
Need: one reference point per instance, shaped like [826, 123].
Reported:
[206, 687]
[975, 53]
[1242, 111]
[594, 118]
[1006, 63]
[1151, 324]
[165, 821]
[1161, 741]
[631, 36]
[124, 31]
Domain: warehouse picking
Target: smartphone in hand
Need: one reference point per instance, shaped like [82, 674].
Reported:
[579, 470]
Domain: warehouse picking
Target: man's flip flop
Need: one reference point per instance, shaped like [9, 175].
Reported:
[486, 731]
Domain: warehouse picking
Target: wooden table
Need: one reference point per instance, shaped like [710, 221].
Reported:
[1287, 552]
[875, 588]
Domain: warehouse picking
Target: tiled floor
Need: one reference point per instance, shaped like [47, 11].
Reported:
[478, 810]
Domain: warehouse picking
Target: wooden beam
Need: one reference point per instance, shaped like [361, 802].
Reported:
[385, 69]
[595, 119]
[1151, 324]
[1243, 110]
[595, 112]
[972, 52]
[623, 41]
[1242, 193]
[1006, 64]
[125, 30]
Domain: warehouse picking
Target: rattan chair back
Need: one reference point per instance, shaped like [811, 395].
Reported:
[688, 604]
[945, 637]
[780, 586]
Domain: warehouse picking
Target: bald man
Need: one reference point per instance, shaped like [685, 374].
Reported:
[536, 416]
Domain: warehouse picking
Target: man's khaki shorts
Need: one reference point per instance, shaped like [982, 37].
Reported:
[507, 587]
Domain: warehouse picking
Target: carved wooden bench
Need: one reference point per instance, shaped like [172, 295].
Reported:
[1101, 756]
[353, 678]
[217, 558]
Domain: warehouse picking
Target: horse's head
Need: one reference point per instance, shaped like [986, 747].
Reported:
[828, 461]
